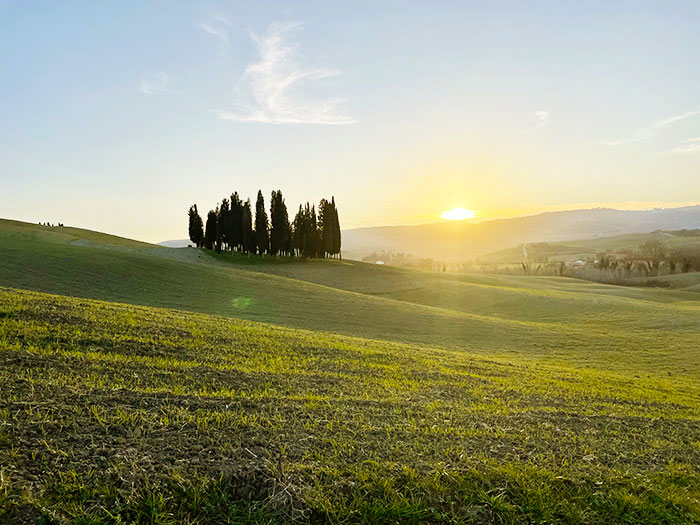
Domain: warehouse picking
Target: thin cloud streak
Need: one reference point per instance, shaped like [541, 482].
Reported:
[274, 83]
[155, 83]
[651, 131]
[221, 18]
[220, 33]
[689, 146]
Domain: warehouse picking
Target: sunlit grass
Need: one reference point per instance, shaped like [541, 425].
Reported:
[115, 412]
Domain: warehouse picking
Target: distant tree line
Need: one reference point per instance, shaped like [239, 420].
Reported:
[232, 227]
[651, 259]
[625, 267]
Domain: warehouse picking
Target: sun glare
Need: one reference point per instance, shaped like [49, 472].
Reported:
[458, 214]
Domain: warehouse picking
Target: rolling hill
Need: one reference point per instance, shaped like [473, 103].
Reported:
[561, 320]
[459, 241]
[150, 384]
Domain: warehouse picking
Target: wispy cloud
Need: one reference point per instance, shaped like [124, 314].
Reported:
[688, 146]
[221, 18]
[654, 129]
[155, 83]
[274, 82]
[217, 28]
[218, 32]
[542, 118]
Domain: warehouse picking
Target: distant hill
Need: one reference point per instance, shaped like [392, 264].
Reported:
[464, 240]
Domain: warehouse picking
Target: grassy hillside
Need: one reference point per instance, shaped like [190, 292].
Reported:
[115, 413]
[543, 319]
[13, 232]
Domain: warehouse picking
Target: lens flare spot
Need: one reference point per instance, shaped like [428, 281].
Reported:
[241, 303]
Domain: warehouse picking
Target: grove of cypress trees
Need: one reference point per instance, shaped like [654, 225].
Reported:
[262, 228]
[230, 227]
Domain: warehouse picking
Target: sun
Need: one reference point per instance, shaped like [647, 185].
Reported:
[458, 214]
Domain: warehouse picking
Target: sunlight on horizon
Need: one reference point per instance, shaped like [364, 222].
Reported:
[458, 214]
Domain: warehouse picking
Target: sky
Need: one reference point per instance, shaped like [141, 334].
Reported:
[117, 116]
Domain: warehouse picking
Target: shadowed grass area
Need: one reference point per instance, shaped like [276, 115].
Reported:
[114, 413]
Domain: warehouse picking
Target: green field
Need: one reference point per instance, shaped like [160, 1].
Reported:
[220, 388]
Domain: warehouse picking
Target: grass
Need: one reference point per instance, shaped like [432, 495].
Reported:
[114, 413]
[143, 384]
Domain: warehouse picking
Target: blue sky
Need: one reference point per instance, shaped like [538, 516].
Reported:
[116, 116]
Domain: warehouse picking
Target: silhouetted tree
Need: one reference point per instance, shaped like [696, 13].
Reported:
[314, 249]
[210, 233]
[196, 229]
[336, 229]
[248, 232]
[325, 226]
[235, 225]
[223, 213]
[262, 228]
[297, 232]
[280, 231]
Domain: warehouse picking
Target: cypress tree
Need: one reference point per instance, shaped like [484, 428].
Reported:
[286, 228]
[306, 231]
[314, 234]
[326, 227]
[196, 230]
[210, 234]
[236, 223]
[262, 228]
[297, 233]
[222, 221]
[275, 247]
[336, 229]
[280, 231]
[248, 233]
